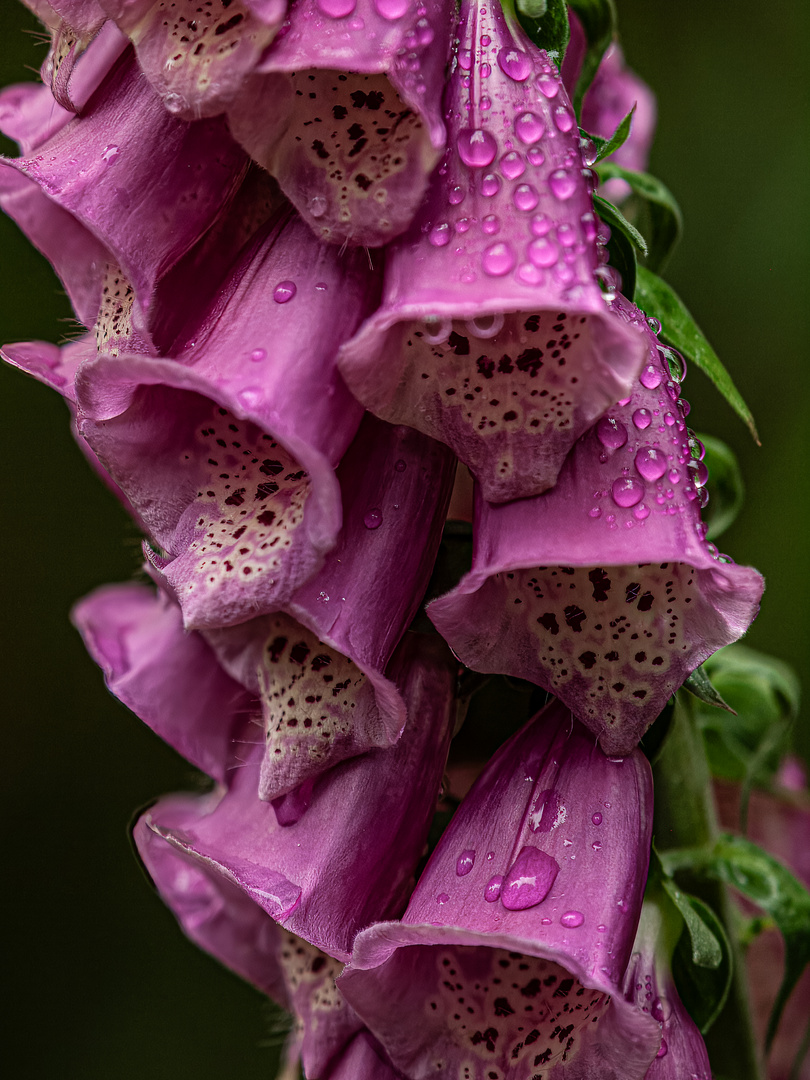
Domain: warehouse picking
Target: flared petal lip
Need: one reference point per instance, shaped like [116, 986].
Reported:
[134, 371]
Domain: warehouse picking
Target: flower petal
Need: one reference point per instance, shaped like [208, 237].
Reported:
[493, 335]
[604, 590]
[474, 986]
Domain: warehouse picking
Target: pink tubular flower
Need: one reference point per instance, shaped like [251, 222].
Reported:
[648, 983]
[509, 957]
[347, 113]
[493, 335]
[604, 590]
[350, 857]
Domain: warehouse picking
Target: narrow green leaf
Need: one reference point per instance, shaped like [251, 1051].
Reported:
[725, 486]
[545, 22]
[606, 147]
[706, 949]
[622, 257]
[613, 217]
[598, 18]
[700, 685]
[666, 220]
[704, 988]
[738, 862]
[659, 300]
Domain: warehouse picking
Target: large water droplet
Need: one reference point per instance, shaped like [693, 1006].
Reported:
[392, 9]
[563, 118]
[651, 462]
[662, 1052]
[529, 879]
[455, 195]
[440, 235]
[651, 376]
[337, 9]
[317, 206]
[536, 156]
[110, 153]
[498, 259]
[548, 86]
[526, 197]
[476, 148]
[567, 235]
[572, 919]
[529, 128]
[543, 252]
[493, 888]
[563, 184]
[611, 433]
[284, 292]
[627, 492]
[512, 165]
[661, 1010]
[596, 818]
[258, 355]
[642, 418]
[465, 862]
[442, 898]
[373, 518]
[515, 64]
[490, 185]
[490, 224]
[641, 512]
[251, 396]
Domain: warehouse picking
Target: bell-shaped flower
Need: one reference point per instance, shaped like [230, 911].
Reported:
[319, 666]
[493, 335]
[349, 859]
[509, 958]
[348, 112]
[604, 590]
[197, 56]
[649, 985]
[117, 196]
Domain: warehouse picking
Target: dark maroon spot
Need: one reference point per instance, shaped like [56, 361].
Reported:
[601, 583]
[266, 517]
[459, 344]
[320, 150]
[237, 498]
[318, 963]
[320, 661]
[532, 324]
[618, 686]
[640, 694]
[541, 1059]
[575, 617]
[631, 592]
[358, 146]
[265, 490]
[612, 656]
[356, 131]
[549, 622]
[641, 657]
[658, 661]
[645, 601]
[339, 112]
[239, 532]
[299, 652]
[511, 415]
[505, 365]
[587, 659]
[276, 648]
[362, 182]
[530, 360]
[532, 988]
[270, 468]
[223, 28]
[485, 366]
[488, 1037]
[502, 1007]
[296, 475]
[532, 1037]
[564, 988]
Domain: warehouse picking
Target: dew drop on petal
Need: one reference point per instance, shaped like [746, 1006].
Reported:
[456, 195]
[563, 118]
[498, 259]
[641, 512]
[526, 197]
[512, 165]
[651, 462]
[258, 355]
[529, 128]
[642, 418]
[661, 1010]
[490, 185]
[529, 879]
[572, 919]
[563, 184]
[284, 292]
[476, 148]
[490, 224]
[493, 888]
[440, 235]
[626, 491]
[317, 206]
[596, 818]
[515, 64]
[465, 862]
[536, 156]
[540, 224]
[251, 396]
[547, 85]
[373, 518]
[543, 252]
[400, 466]
[611, 433]
[337, 9]
[663, 1050]
[392, 9]
[442, 898]
[567, 235]
[651, 376]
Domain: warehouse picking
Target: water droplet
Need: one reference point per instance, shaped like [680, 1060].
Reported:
[490, 856]
[498, 259]
[515, 64]
[663, 1051]
[563, 184]
[440, 235]
[526, 197]
[476, 148]
[424, 32]
[596, 818]
[661, 1010]
[701, 474]
[251, 396]
[490, 224]
[490, 185]
[654, 325]
[540, 225]
[543, 252]
[567, 235]
[547, 85]
[110, 153]
[651, 376]
[317, 206]
[392, 9]
[572, 919]
[258, 355]
[512, 165]
[493, 888]
[465, 862]
[321, 286]
[442, 898]
[465, 59]
[597, 845]
[530, 275]
[529, 128]
[529, 879]
[337, 9]
[642, 418]
[400, 466]
[595, 512]
[601, 928]
[627, 492]
[651, 462]
[564, 118]
[456, 195]
[611, 433]
[536, 156]
[373, 518]
[641, 512]
[284, 292]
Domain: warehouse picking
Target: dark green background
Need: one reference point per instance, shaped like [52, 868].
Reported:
[100, 982]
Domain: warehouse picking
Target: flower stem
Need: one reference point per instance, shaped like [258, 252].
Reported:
[685, 816]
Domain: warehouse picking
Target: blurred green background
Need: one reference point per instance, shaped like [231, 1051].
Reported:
[101, 983]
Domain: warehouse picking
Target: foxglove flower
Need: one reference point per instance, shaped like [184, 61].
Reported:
[225, 452]
[648, 983]
[493, 335]
[350, 858]
[116, 197]
[318, 667]
[604, 590]
[509, 958]
[347, 114]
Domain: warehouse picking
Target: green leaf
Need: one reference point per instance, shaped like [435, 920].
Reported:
[703, 988]
[666, 220]
[659, 300]
[606, 147]
[598, 18]
[700, 685]
[613, 217]
[545, 22]
[725, 486]
[706, 948]
[738, 862]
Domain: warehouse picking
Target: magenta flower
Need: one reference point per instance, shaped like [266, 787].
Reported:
[493, 335]
[604, 590]
[347, 113]
[350, 858]
[648, 984]
[224, 452]
[509, 957]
